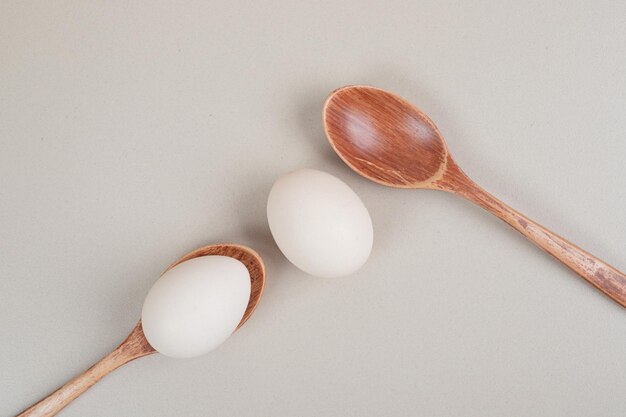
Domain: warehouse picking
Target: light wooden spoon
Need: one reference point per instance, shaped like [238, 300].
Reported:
[388, 140]
[135, 346]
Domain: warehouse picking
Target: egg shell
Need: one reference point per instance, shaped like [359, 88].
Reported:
[196, 305]
[319, 223]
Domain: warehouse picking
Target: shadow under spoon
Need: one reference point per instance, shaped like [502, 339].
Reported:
[388, 140]
[135, 346]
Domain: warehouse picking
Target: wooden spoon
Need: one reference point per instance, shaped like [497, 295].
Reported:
[135, 346]
[388, 140]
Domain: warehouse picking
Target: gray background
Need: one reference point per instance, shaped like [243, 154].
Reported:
[133, 132]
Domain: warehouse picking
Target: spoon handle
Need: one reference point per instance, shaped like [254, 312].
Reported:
[135, 346]
[600, 274]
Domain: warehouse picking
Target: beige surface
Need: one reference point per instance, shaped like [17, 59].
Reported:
[132, 132]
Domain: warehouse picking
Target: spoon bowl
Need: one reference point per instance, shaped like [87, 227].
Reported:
[135, 345]
[385, 138]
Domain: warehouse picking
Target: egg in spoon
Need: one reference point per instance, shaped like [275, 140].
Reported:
[197, 303]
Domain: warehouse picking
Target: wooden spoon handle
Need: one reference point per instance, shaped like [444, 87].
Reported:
[600, 274]
[56, 401]
[135, 346]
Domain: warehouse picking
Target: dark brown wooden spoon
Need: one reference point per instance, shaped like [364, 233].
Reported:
[388, 140]
[135, 346]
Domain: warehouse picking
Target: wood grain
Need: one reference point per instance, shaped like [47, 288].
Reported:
[388, 140]
[136, 346]
[384, 138]
[597, 272]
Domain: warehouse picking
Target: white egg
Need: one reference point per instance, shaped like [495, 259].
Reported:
[196, 305]
[319, 223]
